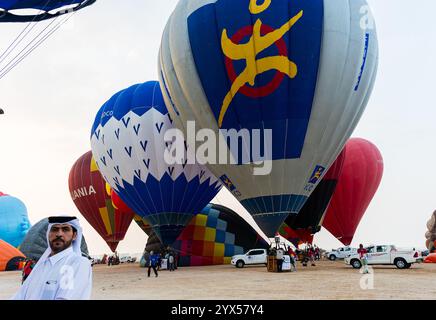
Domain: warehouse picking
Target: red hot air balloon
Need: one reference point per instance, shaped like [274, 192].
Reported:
[360, 178]
[88, 191]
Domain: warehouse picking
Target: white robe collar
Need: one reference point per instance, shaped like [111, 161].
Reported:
[59, 256]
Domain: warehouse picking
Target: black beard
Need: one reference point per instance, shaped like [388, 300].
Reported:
[56, 250]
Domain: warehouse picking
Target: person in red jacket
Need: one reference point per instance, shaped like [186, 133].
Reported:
[27, 269]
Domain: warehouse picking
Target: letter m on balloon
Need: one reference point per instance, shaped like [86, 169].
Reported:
[259, 68]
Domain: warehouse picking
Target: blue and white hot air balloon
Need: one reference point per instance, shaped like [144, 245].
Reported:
[303, 69]
[128, 146]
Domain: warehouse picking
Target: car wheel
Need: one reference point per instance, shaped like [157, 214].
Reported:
[240, 264]
[400, 263]
[356, 264]
[332, 257]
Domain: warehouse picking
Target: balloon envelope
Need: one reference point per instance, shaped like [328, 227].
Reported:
[14, 222]
[431, 233]
[128, 144]
[44, 9]
[360, 178]
[300, 72]
[212, 237]
[431, 258]
[10, 257]
[88, 191]
[35, 242]
[296, 236]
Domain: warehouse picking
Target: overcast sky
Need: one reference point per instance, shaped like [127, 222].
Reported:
[52, 97]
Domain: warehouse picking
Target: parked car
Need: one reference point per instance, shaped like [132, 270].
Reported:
[127, 259]
[252, 257]
[386, 255]
[340, 253]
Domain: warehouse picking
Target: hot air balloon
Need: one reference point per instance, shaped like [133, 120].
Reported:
[128, 145]
[88, 191]
[18, 10]
[291, 77]
[360, 178]
[35, 242]
[11, 258]
[431, 233]
[212, 237]
[309, 219]
[14, 222]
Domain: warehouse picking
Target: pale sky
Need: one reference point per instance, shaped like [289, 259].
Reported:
[52, 97]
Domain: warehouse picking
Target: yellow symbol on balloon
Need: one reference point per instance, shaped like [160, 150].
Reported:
[248, 52]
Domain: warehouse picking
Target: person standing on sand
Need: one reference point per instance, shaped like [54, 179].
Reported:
[279, 258]
[171, 262]
[311, 253]
[292, 258]
[363, 256]
[317, 254]
[153, 262]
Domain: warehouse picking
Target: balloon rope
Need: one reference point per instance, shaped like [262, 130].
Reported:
[5, 54]
[5, 70]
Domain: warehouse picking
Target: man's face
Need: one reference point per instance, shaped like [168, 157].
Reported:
[60, 237]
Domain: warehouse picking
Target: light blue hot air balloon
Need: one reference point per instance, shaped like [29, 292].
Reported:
[128, 146]
[302, 69]
[14, 222]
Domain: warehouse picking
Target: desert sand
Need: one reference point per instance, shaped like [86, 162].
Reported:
[327, 280]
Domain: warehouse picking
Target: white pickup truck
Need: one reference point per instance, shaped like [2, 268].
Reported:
[340, 253]
[386, 255]
[254, 256]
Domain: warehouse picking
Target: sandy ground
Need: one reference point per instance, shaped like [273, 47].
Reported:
[328, 280]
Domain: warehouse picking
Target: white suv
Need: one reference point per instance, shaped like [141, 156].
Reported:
[254, 256]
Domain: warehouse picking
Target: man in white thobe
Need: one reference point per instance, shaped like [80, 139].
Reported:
[61, 273]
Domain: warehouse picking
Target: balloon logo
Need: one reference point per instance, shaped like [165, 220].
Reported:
[297, 73]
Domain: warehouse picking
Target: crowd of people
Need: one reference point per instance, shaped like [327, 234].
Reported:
[311, 253]
[113, 260]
